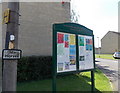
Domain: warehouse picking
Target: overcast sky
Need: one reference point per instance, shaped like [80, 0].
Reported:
[99, 15]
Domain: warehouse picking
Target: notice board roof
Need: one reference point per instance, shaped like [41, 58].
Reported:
[73, 28]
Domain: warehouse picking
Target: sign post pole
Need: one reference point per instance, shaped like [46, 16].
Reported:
[92, 81]
[54, 62]
[10, 66]
[54, 84]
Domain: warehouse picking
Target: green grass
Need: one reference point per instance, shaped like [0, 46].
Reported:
[105, 56]
[77, 82]
[102, 83]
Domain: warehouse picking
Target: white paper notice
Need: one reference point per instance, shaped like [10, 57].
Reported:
[66, 52]
[85, 52]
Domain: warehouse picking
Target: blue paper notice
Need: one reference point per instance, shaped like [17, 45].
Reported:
[66, 37]
[72, 50]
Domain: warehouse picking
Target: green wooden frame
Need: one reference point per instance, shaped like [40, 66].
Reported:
[71, 28]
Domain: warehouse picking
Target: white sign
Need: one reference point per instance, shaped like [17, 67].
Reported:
[85, 44]
[66, 52]
[12, 37]
[11, 54]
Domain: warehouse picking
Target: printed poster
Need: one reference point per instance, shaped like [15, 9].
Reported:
[60, 49]
[60, 66]
[66, 40]
[81, 41]
[67, 65]
[72, 59]
[72, 39]
[89, 44]
[60, 38]
[66, 52]
[72, 50]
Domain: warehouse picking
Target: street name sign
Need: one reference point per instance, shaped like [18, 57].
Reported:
[11, 54]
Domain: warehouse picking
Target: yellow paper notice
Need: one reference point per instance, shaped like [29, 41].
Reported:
[72, 39]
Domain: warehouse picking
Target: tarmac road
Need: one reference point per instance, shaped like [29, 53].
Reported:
[110, 69]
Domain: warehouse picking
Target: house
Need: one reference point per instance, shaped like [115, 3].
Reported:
[97, 50]
[109, 43]
[36, 20]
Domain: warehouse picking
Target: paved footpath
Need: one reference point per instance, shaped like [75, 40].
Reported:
[110, 69]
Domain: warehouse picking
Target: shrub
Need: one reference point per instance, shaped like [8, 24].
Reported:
[34, 68]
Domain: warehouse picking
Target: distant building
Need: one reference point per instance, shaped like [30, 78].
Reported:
[36, 20]
[109, 43]
[97, 50]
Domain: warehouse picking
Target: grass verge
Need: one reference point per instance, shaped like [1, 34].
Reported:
[77, 82]
[105, 56]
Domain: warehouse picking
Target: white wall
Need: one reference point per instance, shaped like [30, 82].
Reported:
[109, 43]
[35, 33]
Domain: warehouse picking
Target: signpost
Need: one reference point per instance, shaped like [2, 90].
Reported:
[9, 75]
[73, 50]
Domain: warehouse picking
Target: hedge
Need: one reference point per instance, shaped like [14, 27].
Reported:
[34, 68]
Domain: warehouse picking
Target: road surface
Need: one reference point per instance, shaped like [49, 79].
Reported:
[110, 68]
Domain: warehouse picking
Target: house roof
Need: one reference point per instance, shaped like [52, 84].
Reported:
[111, 32]
[115, 32]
